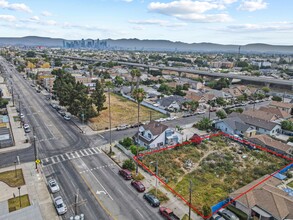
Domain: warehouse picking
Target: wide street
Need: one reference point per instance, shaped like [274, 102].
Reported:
[78, 164]
[76, 160]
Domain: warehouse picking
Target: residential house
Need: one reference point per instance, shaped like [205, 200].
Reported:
[195, 96]
[276, 111]
[284, 106]
[219, 94]
[155, 134]
[265, 201]
[171, 103]
[263, 115]
[272, 144]
[261, 126]
[234, 91]
[235, 126]
[48, 83]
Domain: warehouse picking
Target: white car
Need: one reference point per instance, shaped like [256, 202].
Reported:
[53, 185]
[59, 205]
[67, 117]
[26, 126]
[21, 115]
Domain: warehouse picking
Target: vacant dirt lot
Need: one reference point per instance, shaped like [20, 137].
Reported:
[123, 111]
[219, 167]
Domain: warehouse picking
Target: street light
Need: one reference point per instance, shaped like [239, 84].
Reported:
[15, 169]
[19, 196]
[156, 176]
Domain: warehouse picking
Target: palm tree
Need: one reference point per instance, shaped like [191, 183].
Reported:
[139, 95]
[134, 73]
[138, 75]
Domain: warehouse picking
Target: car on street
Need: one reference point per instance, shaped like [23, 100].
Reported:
[217, 217]
[151, 199]
[53, 105]
[21, 115]
[122, 127]
[126, 174]
[53, 185]
[59, 205]
[138, 185]
[228, 215]
[26, 126]
[62, 113]
[66, 117]
[27, 130]
[168, 214]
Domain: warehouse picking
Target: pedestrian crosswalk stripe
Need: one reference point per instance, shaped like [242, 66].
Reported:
[70, 155]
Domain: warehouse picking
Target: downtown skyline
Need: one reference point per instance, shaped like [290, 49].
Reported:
[215, 21]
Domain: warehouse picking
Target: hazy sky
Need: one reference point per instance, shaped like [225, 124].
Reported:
[216, 21]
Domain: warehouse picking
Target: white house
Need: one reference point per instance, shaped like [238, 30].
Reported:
[155, 135]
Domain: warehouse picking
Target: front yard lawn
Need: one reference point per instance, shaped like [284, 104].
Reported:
[14, 203]
[11, 179]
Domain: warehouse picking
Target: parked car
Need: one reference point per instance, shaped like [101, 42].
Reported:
[59, 205]
[53, 185]
[67, 117]
[62, 113]
[138, 185]
[153, 200]
[126, 174]
[217, 217]
[53, 105]
[27, 130]
[21, 115]
[122, 127]
[168, 214]
[228, 215]
[136, 125]
[26, 126]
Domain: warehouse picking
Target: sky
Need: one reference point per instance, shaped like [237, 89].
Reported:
[192, 21]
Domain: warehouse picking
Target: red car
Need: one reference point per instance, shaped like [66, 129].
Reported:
[138, 185]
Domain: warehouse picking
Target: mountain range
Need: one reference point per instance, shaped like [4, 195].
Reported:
[153, 45]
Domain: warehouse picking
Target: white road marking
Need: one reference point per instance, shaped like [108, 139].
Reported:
[90, 151]
[53, 160]
[87, 153]
[73, 156]
[77, 154]
[139, 213]
[57, 158]
[94, 150]
[67, 156]
[63, 158]
[81, 153]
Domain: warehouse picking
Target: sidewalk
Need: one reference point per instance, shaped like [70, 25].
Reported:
[176, 204]
[35, 187]
[18, 133]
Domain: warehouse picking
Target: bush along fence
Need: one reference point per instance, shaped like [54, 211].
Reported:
[224, 203]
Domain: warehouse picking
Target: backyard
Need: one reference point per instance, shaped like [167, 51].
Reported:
[123, 111]
[215, 168]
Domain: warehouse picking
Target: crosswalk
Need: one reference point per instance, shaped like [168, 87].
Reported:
[71, 155]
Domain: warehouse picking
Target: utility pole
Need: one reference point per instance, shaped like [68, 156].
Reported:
[19, 196]
[76, 203]
[190, 192]
[110, 119]
[35, 147]
[157, 172]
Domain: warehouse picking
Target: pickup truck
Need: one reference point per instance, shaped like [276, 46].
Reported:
[168, 214]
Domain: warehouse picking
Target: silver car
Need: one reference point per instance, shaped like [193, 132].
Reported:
[53, 185]
[59, 205]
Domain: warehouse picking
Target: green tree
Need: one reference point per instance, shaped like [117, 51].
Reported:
[290, 139]
[221, 114]
[127, 142]
[277, 98]
[98, 96]
[221, 101]
[134, 73]
[118, 81]
[57, 62]
[287, 125]
[204, 124]
[128, 164]
[3, 103]
[266, 89]
[31, 54]
[206, 210]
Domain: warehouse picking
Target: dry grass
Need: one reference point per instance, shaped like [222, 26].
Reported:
[10, 178]
[14, 203]
[123, 111]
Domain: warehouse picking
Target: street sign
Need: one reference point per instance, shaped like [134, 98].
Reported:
[38, 161]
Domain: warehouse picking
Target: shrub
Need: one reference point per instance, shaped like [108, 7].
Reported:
[277, 98]
[137, 177]
[126, 142]
[133, 149]
[128, 164]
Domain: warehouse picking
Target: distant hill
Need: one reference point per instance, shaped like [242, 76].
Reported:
[154, 45]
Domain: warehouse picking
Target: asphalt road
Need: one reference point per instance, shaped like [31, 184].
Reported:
[102, 194]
